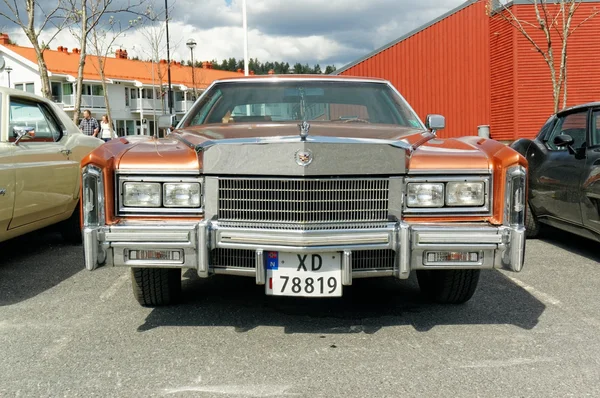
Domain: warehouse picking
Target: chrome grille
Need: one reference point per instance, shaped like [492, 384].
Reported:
[303, 200]
[363, 260]
[235, 258]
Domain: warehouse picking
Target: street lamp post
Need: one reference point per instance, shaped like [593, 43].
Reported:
[8, 70]
[191, 43]
[170, 92]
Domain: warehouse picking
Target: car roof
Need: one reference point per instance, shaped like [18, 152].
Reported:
[21, 93]
[305, 77]
[580, 106]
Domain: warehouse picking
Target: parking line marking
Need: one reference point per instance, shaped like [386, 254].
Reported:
[112, 290]
[543, 297]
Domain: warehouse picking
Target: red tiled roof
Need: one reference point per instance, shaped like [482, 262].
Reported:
[61, 62]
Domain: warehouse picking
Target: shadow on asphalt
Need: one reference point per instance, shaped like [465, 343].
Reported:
[571, 243]
[366, 307]
[35, 262]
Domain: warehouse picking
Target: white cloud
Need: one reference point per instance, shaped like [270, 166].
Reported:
[307, 31]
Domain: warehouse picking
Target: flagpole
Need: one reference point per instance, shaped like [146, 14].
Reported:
[245, 23]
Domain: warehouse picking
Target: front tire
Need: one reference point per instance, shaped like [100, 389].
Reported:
[156, 286]
[453, 286]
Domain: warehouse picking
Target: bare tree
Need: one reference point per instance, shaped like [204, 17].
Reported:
[33, 28]
[101, 40]
[85, 16]
[554, 18]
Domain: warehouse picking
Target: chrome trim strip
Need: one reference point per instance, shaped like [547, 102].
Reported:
[347, 268]
[148, 236]
[235, 271]
[225, 237]
[373, 273]
[403, 257]
[261, 275]
[465, 237]
[442, 172]
[90, 244]
[157, 172]
[203, 250]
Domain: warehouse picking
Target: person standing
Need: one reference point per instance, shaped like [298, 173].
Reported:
[107, 132]
[89, 125]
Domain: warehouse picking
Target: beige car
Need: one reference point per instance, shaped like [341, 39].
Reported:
[40, 153]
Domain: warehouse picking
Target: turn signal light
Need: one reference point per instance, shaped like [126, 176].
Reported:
[452, 257]
[156, 255]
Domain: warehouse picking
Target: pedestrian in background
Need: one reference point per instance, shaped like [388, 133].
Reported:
[89, 125]
[107, 129]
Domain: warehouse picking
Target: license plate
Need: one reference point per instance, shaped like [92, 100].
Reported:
[302, 274]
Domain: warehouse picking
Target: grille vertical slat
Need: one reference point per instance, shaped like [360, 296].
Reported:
[303, 200]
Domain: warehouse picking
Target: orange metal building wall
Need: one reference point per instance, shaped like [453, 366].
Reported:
[533, 88]
[442, 69]
[502, 118]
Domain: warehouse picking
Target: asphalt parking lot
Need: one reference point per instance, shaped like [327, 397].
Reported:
[67, 332]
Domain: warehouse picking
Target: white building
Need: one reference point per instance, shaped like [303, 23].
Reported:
[133, 86]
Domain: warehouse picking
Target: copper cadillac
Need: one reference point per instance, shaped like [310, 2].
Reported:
[304, 183]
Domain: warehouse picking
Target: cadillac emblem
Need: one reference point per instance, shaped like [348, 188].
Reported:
[304, 157]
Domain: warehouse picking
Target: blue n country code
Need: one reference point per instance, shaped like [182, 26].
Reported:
[272, 260]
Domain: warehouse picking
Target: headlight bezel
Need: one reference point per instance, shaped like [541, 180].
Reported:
[148, 177]
[458, 210]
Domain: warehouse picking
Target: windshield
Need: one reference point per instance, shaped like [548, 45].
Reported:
[294, 101]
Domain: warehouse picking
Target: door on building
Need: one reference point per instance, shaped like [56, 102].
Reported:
[556, 191]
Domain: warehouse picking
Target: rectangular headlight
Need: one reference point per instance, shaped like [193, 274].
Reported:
[181, 194]
[141, 194]
[425, 195]
[460, 193]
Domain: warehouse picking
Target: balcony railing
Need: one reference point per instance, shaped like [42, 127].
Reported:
[87, 101]
[146, 104]
[183, 106]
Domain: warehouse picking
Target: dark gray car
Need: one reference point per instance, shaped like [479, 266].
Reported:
[564, 172]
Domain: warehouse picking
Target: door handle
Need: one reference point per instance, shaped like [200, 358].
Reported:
[66, 152]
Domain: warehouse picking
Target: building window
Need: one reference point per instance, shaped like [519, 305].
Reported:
[97, 90]
[28, 87]
[126, 96]
[147, 93]
[67, 89]
[134, 93]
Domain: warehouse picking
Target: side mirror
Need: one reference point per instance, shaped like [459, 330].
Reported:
[435, 122]
[563, 140]
[22, 132]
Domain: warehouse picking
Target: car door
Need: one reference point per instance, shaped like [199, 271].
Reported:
[44, 173]
[7, 173]
[590, 205]
[555, 186]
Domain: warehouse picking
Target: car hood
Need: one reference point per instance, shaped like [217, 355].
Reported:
[182, 151]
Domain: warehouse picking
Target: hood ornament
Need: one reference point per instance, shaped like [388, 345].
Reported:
[304, 127]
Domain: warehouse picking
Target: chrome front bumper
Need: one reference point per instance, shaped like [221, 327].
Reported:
[498, 247]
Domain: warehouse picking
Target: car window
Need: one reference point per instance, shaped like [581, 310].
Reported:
[293, 101]
[573, 124]
[31, 114]
[596, 128]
